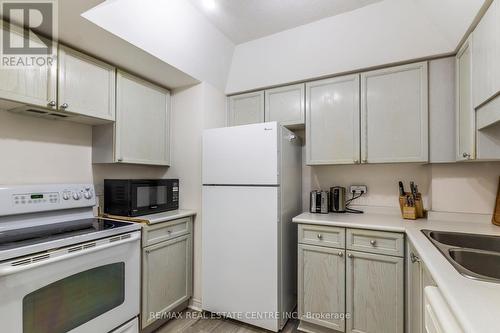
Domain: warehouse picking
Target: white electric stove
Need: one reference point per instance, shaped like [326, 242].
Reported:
[62, 269]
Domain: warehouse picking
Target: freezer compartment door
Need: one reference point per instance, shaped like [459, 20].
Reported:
[240, 252]
[241, 155]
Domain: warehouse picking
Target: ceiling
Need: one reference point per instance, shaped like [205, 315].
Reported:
[81, 34]
[245, 20]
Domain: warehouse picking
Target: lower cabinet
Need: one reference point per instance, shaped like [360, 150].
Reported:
[166, 274]
[414, 291]
[343, 290]
[321, 288]
[374, 293]
[417, 278]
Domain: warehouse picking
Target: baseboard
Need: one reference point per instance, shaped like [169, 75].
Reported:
[195, 304]
[160, 322]
[306, 327]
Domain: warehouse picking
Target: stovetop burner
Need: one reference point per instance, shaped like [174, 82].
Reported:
[11, 239]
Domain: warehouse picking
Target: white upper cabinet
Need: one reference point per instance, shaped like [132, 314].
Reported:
[394, 114]
[486, 56]
[286, 105]
[442, 110]
[246, 109]
[332, 121]
[34, 85]
[86, 86]
[465, 114]
[142, 122]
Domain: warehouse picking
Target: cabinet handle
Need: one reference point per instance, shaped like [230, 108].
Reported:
[466, 155]
[52, 103]
[350, 255]
[414, 258]
[341, 254]
[148, 251]
[356, 161]
[373, 242]
[120, 159]
[64, 106]
[365, 161]
[320, 236]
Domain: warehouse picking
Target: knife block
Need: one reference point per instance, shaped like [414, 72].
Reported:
[496, 214]
[409, 212]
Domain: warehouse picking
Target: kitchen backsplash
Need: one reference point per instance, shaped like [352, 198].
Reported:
[44, 151]
[461, 187]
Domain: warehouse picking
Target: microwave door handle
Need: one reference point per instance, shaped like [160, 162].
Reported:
[9, 270]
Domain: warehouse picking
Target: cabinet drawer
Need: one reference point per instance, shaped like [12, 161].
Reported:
[322, 235]
[160, 232]
[382, 242]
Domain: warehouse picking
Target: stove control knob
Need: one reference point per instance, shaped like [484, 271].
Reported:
[88, 195]
[66, 195]
[76, 196]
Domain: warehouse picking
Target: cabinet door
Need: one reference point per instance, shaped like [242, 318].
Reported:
[34, 85]
[332, 121]
[321, 285]
[486, 55]
[286, 105]
[374, 293]
[86, 86]
[442, 110]
[166, 277]
[142, 122]
[414, 299]
[466, 123]
[394, 114]
[246, 109]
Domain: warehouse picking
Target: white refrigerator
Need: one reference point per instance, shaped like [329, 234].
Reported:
[252, 184]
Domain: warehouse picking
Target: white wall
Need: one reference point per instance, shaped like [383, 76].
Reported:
[386, 32]
[381, 179]
[36, 150]
[460, 187]
[465, 187]
[195, 108]
[174, 31]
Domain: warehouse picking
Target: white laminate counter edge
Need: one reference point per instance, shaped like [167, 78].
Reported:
[475, 304]
[168, 216]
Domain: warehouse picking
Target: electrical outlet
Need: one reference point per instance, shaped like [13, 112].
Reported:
[358, 189]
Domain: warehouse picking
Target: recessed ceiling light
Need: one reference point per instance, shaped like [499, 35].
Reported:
[209, 4]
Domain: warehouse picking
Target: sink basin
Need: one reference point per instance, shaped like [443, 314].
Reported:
[474, 256]
[485, 264]
[471, 241]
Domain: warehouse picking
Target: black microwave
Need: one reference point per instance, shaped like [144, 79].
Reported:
[135, 197]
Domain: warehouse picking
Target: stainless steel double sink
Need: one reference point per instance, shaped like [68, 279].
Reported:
[474, 256]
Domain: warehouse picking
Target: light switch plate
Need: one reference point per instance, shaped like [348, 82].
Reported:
[358, 189]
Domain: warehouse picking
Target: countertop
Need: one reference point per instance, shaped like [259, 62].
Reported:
[476, 304]
[156, 218]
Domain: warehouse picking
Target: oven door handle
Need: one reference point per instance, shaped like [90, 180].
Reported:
[63, 254]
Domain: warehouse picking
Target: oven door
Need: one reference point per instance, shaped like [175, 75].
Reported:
[149, 197]
[91, 287]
